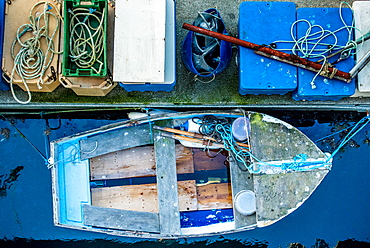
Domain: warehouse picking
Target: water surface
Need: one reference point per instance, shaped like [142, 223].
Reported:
[338, 211]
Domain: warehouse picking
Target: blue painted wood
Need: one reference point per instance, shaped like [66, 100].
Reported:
[72, 185]
[264, 23]
[206, 217]
[326, 89]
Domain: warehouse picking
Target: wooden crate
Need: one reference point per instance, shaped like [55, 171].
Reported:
[16, 14]
[88, 86]
[93, 86]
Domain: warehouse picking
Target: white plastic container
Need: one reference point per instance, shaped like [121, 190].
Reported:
[191, 126]
[245, 202]
[240, 129]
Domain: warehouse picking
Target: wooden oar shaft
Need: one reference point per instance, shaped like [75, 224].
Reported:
[195, 135]
[184, 138]
[274, 54]
[173, 130]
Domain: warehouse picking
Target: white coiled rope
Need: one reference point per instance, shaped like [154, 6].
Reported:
[31, 61]
[86, 43]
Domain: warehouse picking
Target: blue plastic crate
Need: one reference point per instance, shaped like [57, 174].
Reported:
[3, 84]
[263, 23]
[326, 89]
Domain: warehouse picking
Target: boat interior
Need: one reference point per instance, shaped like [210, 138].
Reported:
[143, 182]
[134, 180]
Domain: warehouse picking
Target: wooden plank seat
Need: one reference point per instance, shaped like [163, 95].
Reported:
[121, 219]
[241, 180]
[168, 202]
[143, 198]
[115, 140]
[136, 162]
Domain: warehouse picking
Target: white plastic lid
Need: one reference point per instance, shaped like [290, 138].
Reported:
[245, 202]
[240, 128]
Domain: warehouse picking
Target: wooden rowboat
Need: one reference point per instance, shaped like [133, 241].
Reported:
[136, 179]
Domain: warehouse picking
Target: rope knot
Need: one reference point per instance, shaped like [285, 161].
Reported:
[326, 71]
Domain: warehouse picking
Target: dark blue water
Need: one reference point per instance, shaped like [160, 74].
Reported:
[336, 215]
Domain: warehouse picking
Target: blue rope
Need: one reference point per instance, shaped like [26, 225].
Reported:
[299, 163]
[230, 145]
[355, 129]
[337, 132]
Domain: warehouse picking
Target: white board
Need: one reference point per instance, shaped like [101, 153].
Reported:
[139, 41]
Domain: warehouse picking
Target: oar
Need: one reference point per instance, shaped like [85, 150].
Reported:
[195, 135]
[199, 141]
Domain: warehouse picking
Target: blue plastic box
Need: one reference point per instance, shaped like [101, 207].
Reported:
[326, 89]
[3, 84]
[147, 87]
[263, 23]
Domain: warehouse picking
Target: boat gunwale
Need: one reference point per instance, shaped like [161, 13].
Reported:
[143, 120]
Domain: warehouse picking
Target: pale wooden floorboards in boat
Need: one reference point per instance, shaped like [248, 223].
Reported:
[144, 197]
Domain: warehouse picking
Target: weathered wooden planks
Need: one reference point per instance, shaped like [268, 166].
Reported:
[120, 219]
[241, 180]
[142, 197]
[214, 196]
[131, 197]
[187, 195]
[115, 140]
[203, 162]
[168, 202]
[136, 162]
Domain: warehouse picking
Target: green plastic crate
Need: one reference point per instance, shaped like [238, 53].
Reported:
[78, 53]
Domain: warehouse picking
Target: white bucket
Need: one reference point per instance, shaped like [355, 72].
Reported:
[245, 202]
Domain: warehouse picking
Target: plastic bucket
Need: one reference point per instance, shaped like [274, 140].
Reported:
[241, 128]
[245, 202]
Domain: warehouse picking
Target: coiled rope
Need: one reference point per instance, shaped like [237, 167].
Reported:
[32, 61]
[313, 45]
[221, 130]
[86, 38]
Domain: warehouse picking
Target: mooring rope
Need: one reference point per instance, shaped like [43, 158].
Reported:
[24, 136]
[211, 126]
[86, 41]
[312, 44]
[32, 61]
[353, 131]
